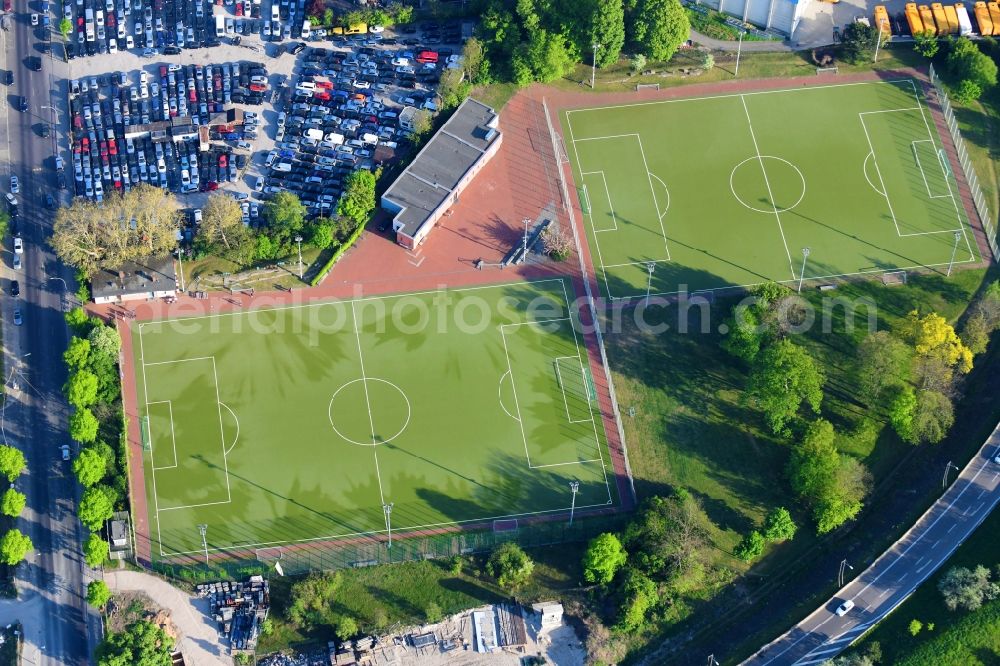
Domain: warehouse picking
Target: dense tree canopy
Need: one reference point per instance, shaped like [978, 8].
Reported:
[603, 558]
[12, 503]
[659, 27]
[96, 506]
[11, 462]
[358, 199]
[967, 589]
[126, 226]
[14, 547]
[782, 379]
[510, 566]
[141, 644]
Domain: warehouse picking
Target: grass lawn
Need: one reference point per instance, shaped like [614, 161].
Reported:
[691, 430]
[285, 425]
[381, 596]
[851, 172]
[959, 638]
[207, 274]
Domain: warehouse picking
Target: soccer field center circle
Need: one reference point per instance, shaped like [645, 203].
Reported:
[388, 411]
[761, 180]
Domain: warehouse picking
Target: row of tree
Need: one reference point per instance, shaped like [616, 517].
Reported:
[93, 390]
[541, 40]
[14, 545]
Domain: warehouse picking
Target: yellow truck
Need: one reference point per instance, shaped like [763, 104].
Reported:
[927, 18]
[882, 21]
[983, 19]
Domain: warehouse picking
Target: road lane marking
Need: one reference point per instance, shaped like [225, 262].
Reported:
[934, 545]
[951, 528]
[978, 507]
[884, 592]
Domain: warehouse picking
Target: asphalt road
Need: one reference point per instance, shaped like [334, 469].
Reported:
[59, 626]
[891, 578]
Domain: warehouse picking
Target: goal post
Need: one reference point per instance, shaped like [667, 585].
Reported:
[943, 159]
[891, 278]
[144, 433]
[827, 70]
[584, 199]
[639, 87]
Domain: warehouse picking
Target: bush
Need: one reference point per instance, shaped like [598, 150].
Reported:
[432, 613]
[510, 566]
[750, 547]
[98, 594]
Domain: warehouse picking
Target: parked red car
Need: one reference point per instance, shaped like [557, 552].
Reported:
[222, 161]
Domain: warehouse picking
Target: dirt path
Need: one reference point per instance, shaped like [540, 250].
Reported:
[198, 639]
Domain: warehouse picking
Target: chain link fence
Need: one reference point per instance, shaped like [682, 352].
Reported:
[305, 558]
[982, 208]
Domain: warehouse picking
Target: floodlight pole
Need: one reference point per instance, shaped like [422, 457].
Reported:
[203, 530]
[593, 69]
[878, 42]
[650, 267]
[387, 509]
[712, 660]
[574, 487]
[739, 52]
[298, 239]
[524, 243]
[802, 275]
[954, 251]
[948, 468]
[180, 265]
[840, 575]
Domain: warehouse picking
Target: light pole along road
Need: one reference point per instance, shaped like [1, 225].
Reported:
[897, 572]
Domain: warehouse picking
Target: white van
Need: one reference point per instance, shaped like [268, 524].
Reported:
[220, 26]
[315, 134]
[275, 14]
[282, 166]
[306, 29]
[370, 139]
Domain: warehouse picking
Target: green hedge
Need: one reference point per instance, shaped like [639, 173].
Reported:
[337, 254]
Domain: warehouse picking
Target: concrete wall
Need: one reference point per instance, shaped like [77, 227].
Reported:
[780, 15]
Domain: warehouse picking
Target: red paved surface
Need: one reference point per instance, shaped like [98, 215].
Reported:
[519, 182]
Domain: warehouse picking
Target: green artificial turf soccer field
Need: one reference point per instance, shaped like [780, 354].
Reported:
[285, 425]
[720, 191]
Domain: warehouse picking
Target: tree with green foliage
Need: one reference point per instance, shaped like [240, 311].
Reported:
[142, 643]
[932, 419]
[858, 42]
[843, 498]
[98, 594]
[222, 231]
[347, 627]
[321, 233]
[95, 550]
[967, 63]
[637, 63]
[967, 589]
[605, 555]
[11, 462]
[883, 361]
[4, 223]
[668, 536]
[358, 198]
[813, 463]
[915, 627]
[545, 57]
[902, 411]
[779, 526]
[782, 379]
[966, 91]
[453, 88]
[285, 216]
[105, 342]
[89, 467]
[751, 546]
[83, 425]
[311, 597]
[926, 44]
[639, 598]
[78, 321]
[510, 566]
[607, 28]
[659, 27]
[81, 389]
[65, 28]
[12, 503]
[474, 64]
[96, 507]
[77, 353]
[14, 547]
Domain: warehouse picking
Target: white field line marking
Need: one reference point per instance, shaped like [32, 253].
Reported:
[562, 387]
[602, 138]
[222, 432]
[181, 360]
[916, 156]
[731, 95]
[597, 244]
[336, 302]
[237, 438]
[652, 190]
[563, 464]
[597, 437]
[666, 190]
[864, 170]
[500, 395]
[192, 506]
[368, 402]
[513, 388]
[372, 532]
[638, 263]
[767, 183]
[149, 433]
[958, 209]
[152, 469]
[611, 207]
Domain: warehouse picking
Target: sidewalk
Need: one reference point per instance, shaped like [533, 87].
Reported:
[198, 639]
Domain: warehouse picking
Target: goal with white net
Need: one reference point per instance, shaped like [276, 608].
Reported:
[646, 86]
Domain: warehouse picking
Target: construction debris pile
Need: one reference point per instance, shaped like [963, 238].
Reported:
[240, 608]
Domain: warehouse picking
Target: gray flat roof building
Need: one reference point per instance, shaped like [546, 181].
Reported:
[153, 277]
[432, 183]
